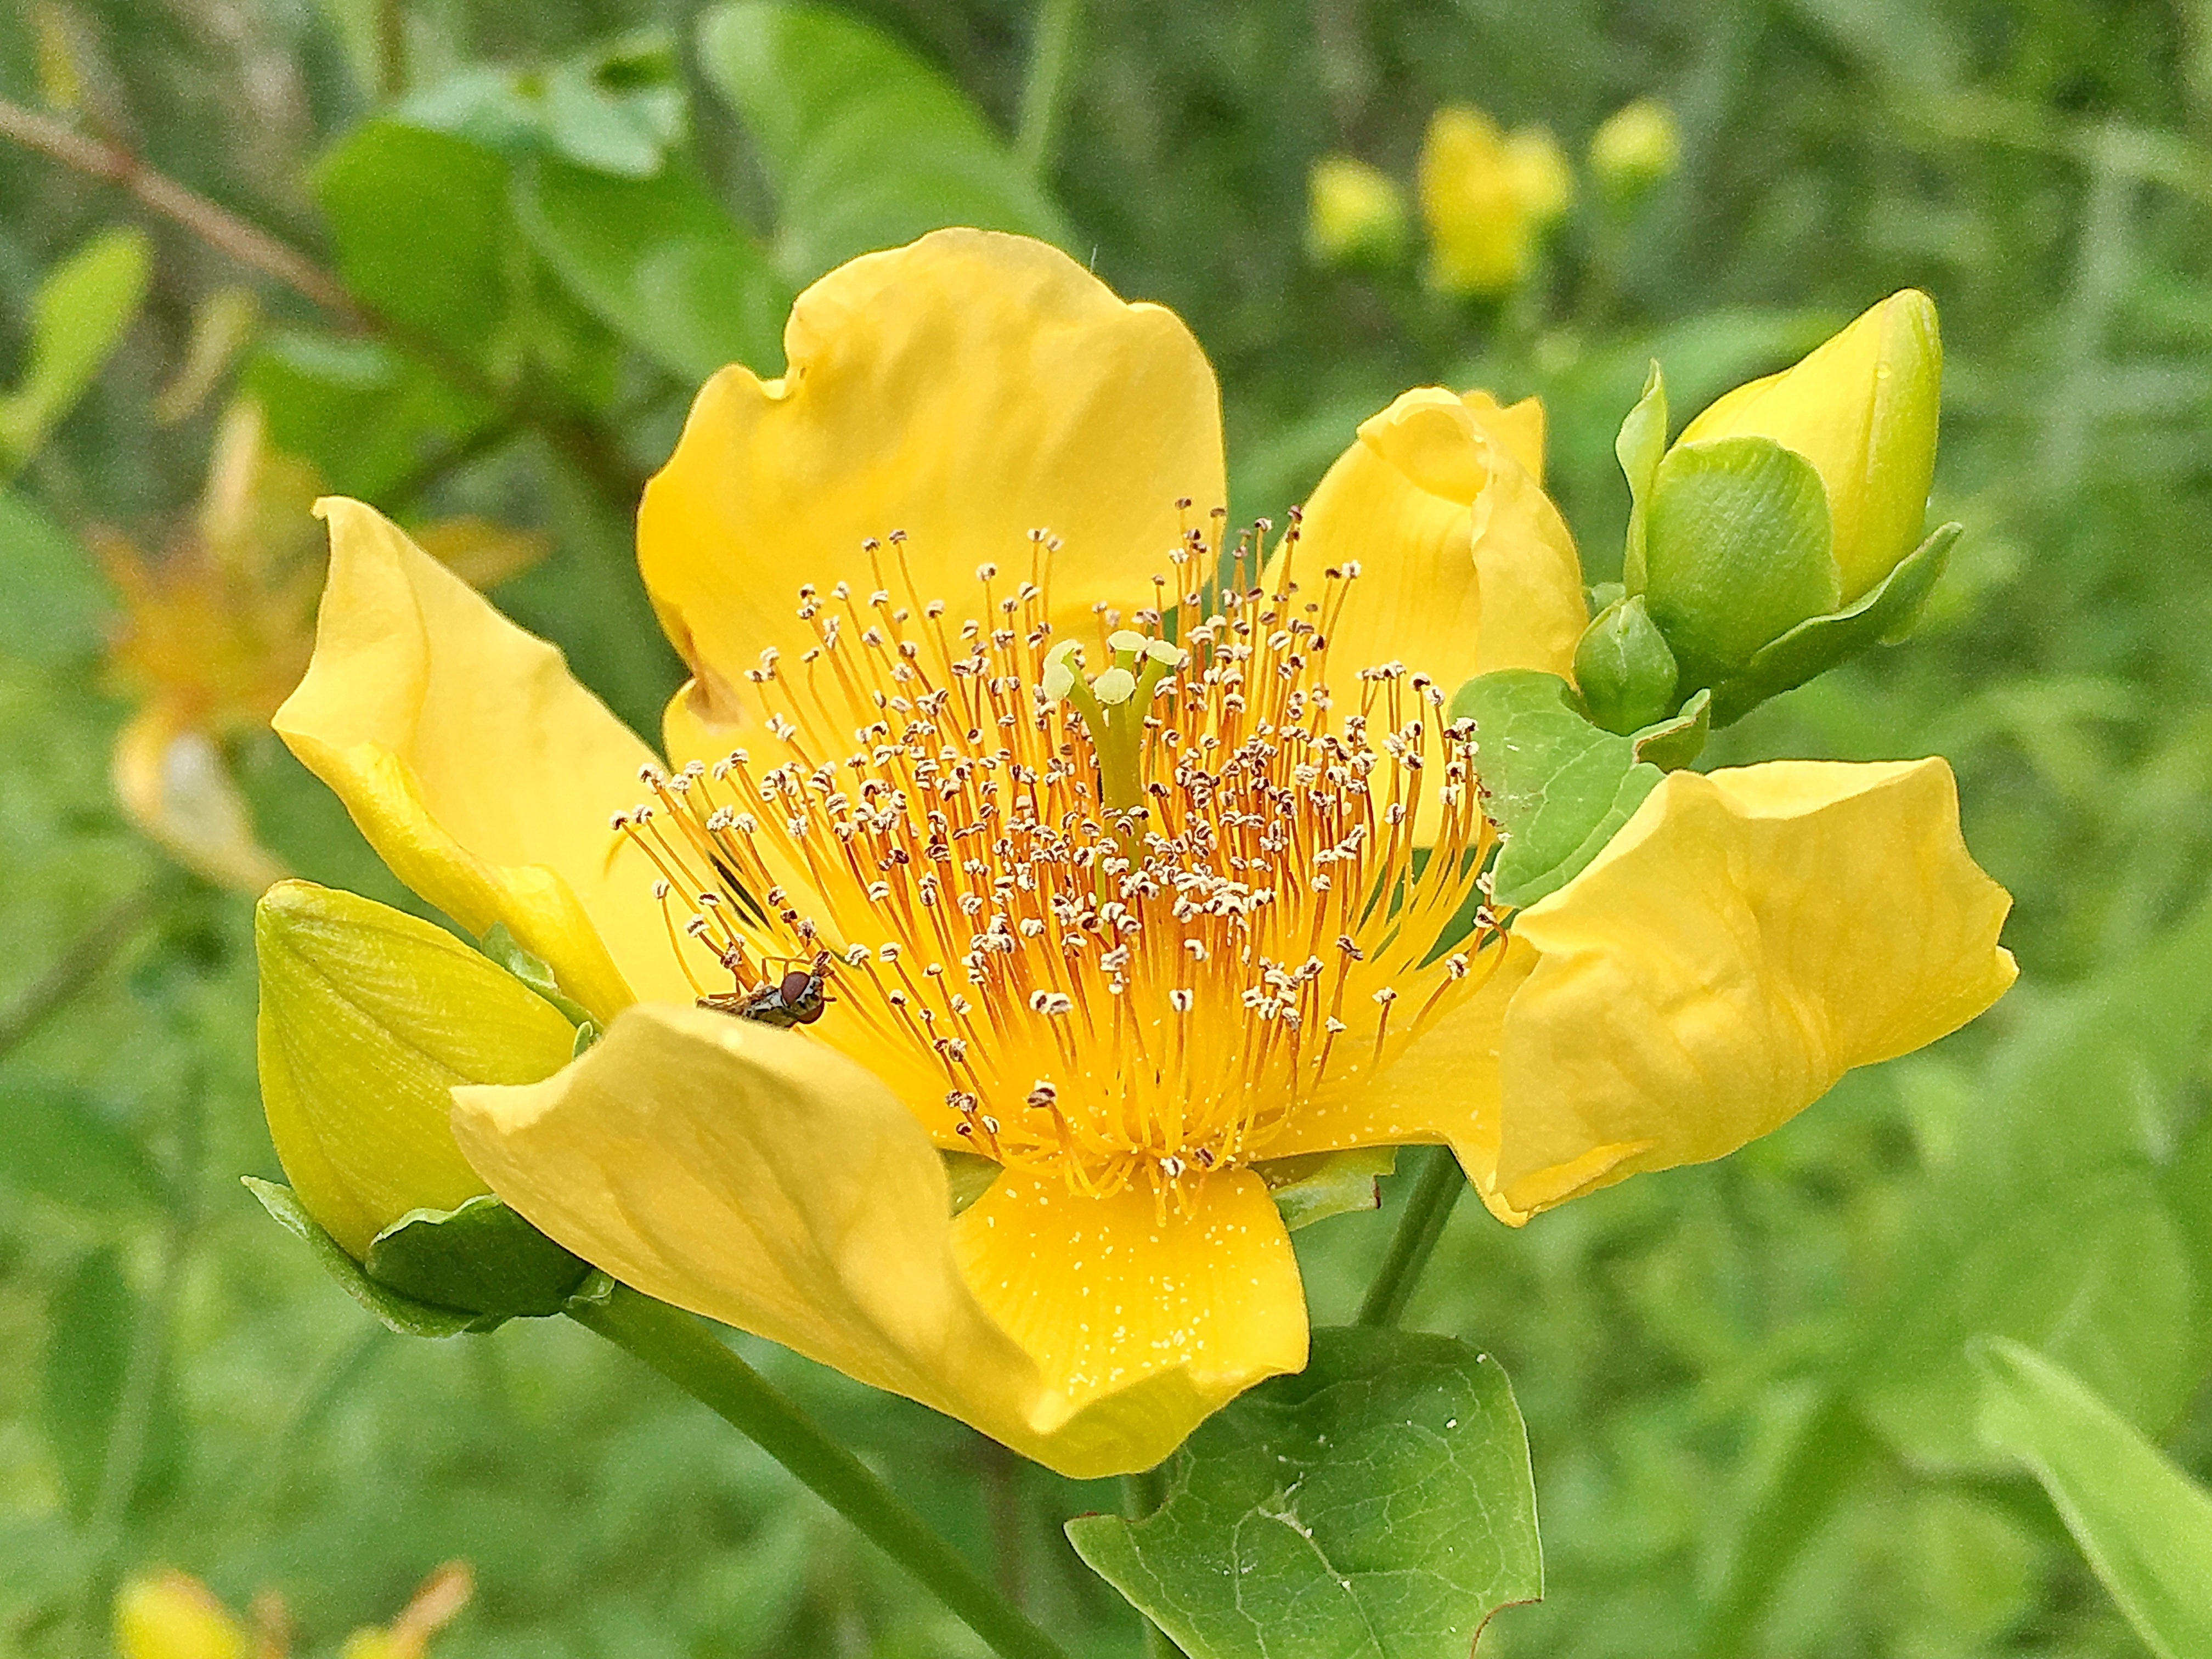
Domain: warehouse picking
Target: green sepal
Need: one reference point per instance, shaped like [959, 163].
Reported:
[1672, 744]
[1314, 1186]
[1376, 1505]
[537, 974]
[1883, 614]
[1623, 668]
[1737, 552]
[968, 1176]
[1639, 445]
[598, 1286]
[1557, 787]
[482, 1256]
[587, 1033]
[394, 1310]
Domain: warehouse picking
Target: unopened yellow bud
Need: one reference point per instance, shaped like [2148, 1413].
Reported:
[1863, 410]
[370, 1018]
[1634, 148]
[1486, 199]
[171, 1615]
[1355, 213]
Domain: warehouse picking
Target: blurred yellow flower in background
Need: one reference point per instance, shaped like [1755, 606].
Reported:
[171, 1615]
[1486, 197]
[1065, 823]
[1355, 213]
[1635, 148]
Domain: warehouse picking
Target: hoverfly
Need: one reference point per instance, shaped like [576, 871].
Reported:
[794, 1000]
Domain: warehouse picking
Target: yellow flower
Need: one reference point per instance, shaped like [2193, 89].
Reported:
[1094, 905]
[1487, 197]
[1354, 213]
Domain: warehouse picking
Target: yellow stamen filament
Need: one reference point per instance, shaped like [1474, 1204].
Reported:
[1129, 920]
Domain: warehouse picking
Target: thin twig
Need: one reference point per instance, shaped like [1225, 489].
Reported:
[216, 226]
[79, 960]
[586, 446]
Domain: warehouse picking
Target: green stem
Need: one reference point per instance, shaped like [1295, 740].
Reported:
[1411, 1246]
[1044, 92]
[676, 1346]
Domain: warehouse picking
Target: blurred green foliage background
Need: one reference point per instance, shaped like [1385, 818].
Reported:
[1753, 1419]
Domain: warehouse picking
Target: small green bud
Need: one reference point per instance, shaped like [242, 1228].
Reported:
[1624, 669]
[1635, 148]
[1355, 214]
[368, 1019]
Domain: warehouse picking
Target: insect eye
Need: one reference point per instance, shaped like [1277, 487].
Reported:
[794, 984]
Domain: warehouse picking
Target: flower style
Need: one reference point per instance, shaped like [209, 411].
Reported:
[1059, 834]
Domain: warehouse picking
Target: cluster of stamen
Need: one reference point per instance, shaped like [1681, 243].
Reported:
[1122, 923]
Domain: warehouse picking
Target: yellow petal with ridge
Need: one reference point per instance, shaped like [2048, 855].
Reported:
[476, 765]
[965, 390]
[757, 1177]
[1744, 940]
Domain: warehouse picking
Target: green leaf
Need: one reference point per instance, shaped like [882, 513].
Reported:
[1639, 445]
[533, 971]
[1557, 787]
[2145, 1526]
[968, 1177]
[420, 221]
[617, 108]
[1736, 551]
[659, 262]
[77, 319]
[1884, 614]
[49, 593]
[481, 1257]
[1317, 1185]
[60, 1144]
[365, 416]
[394, 1311]
[80, 1385]
[865, 145]
[1377, 1506]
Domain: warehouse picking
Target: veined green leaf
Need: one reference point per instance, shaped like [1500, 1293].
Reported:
[1377, 1506]
[1557, 787]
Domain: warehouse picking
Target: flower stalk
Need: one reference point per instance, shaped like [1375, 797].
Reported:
[673, 1344]
[1419, 1229]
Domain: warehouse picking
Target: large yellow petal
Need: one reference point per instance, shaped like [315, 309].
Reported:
[1465, 564]
[1108, 1293]
[1746, 938]
[966, 390]
[757, 1177]
[478, 769]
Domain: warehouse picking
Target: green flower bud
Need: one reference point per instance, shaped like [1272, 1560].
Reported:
[1625, 672]
[368, 1019]
[1355, 214]
[1635, 148]
[1863, 410]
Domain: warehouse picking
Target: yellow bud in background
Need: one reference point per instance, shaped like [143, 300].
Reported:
[1486, 198]
[1862, 408]
[1355, 213]
[370, 1018]
[1543, 183]
[1634, 148]
[171, 1615]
